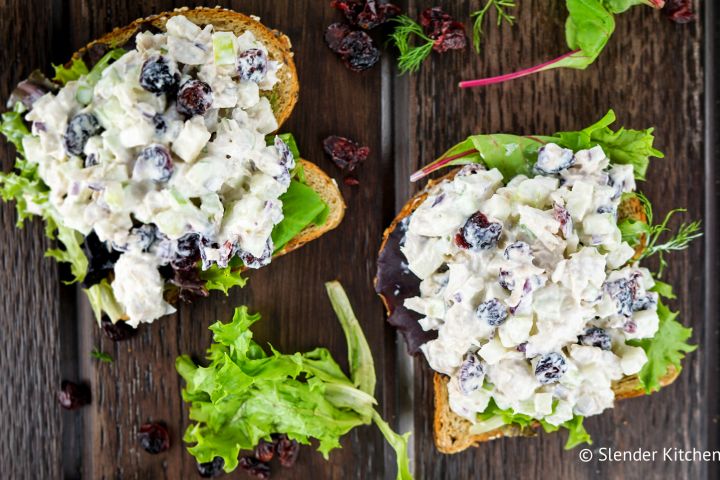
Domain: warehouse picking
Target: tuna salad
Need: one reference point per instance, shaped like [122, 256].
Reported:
[155, 161]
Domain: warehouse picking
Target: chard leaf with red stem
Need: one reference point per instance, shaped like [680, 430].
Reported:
[589, 26]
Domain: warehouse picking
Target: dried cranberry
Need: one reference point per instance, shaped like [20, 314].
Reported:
[265, 451]
[287, 159]
[154, 163]
[187, 252]
[72, 395]
[154, 438]
[254, 262]
[159, 75]
[252, 65]
[550, 368]
[190, 284]
[211, 469]
[517, 251]
[359, 51]
[159, 123]
[334, 35]
[623, 292]
[118, 331]
[679, 11]
[472, 374]
[492, 312]
[646, 302]
[563, 217]
[552, 160]
[351, 181]
[79, 130]
[443, 29]
[287, 451]
[366, 14]
[90, 161]
[478, 233]
[506, 279]
[596, 337]
[255, 467]
[345, 153]
[630, 326]
[101, 259]
[194, 98]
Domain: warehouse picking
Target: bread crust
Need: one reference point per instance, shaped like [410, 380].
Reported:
[451, 431]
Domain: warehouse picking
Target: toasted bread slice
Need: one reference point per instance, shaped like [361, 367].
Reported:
[283, 97]
[452, 432]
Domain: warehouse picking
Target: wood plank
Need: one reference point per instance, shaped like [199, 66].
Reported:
[30, 346]
[651, 74]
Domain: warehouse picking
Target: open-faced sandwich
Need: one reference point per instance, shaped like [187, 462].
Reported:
[152, 157]
[518, 277]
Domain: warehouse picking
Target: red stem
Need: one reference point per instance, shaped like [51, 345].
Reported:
[439, 163]
[512, 76]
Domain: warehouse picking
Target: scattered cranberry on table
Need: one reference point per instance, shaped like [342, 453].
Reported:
[211, 469]
[265, 451]
[347, 155]
[255, 467]
[72, 395]
[154, 438]
[287, 450]
[118, 331]
[366, 14]
[441, 27]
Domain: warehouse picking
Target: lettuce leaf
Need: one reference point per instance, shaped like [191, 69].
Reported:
[224, 278]
[75, 70]
[494, 417]
[245, 394]
[577, 434]
[302, 206]
[360, 360]
[515, 155]
[668, 346]
[624, 146]
[13, 127]
[102, 300]
[72, 252]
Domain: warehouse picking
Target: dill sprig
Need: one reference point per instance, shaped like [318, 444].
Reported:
[686, 233]
[101, 356]
[411, 55]
[501, 7]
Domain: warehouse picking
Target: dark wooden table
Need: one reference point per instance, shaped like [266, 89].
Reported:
[653, 73]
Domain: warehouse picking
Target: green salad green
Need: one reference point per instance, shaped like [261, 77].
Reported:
[245, 394]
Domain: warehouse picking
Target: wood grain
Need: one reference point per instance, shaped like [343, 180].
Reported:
[651, 73]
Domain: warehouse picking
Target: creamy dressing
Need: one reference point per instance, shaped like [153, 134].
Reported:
[148, 162]
[530, 287]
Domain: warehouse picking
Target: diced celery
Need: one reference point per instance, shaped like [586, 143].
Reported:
[224, 48]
